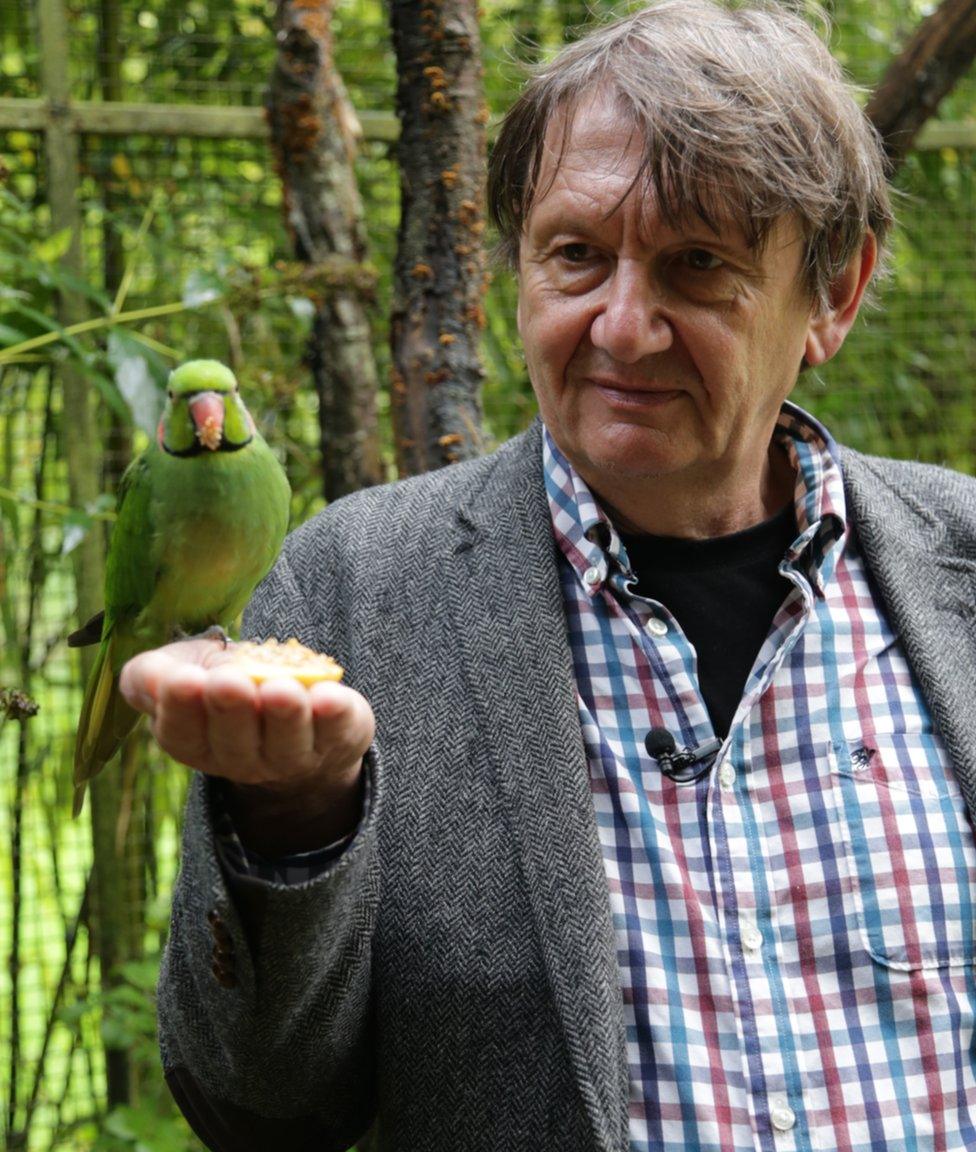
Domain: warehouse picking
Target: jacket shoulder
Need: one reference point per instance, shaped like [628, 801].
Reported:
[420, 507]
[920, 499]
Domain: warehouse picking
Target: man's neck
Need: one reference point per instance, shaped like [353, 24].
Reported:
[676, 506]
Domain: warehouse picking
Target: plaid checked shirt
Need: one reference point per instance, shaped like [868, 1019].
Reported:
[795, 932]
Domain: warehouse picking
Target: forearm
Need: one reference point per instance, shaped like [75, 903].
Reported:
[290, 1029]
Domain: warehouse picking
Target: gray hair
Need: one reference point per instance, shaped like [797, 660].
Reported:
[743, 111]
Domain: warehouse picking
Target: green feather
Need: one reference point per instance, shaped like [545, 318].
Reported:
[194, 535]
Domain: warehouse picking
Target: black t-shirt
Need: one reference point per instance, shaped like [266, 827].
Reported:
[724, 593]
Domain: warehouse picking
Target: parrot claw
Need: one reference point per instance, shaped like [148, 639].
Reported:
[214, 632]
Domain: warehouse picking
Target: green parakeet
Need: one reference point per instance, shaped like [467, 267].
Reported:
[202, 514]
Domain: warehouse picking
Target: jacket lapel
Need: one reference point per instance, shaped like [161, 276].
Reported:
[509, 607]
[929, 591]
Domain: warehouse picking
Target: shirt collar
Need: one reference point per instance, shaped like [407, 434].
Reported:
[821, 506]
[588, 538]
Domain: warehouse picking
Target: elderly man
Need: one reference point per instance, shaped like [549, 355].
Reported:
[662, 841]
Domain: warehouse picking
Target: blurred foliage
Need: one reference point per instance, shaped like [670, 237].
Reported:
[902, 386]
[125, 1017]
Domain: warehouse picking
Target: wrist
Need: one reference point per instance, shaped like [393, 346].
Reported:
[277, 820]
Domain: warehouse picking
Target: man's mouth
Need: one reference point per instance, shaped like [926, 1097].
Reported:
[626, 395]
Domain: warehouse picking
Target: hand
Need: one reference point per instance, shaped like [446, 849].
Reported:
[293, 754]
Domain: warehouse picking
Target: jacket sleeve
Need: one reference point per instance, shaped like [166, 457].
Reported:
[264, 992]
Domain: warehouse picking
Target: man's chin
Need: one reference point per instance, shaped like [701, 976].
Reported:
[628, 449]
[637, 464]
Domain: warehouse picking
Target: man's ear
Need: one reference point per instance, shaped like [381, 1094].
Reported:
[829, 326]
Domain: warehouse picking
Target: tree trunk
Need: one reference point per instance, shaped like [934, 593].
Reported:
[936, 56]
[440, 280]
[313, 132]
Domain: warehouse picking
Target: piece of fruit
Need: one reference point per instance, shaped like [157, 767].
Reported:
[292, 658]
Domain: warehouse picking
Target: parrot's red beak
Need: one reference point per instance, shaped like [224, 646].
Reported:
[207, 413]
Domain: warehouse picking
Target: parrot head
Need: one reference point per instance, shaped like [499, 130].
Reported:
[204, 412]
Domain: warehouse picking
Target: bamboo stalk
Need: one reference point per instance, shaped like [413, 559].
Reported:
[12, 354]
[17, 1138]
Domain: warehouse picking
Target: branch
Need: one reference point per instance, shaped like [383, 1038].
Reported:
[935, 58]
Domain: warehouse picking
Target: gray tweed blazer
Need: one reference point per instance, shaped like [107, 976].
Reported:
[452, 978]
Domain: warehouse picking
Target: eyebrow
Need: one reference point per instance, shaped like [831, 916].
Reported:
[694, 233]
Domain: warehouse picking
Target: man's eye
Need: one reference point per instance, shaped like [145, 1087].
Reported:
[575, 253]
[701, 260]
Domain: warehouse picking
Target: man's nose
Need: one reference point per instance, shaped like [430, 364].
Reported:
[631, 324]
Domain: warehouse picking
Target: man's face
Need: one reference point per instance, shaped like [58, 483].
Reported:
[660, 356]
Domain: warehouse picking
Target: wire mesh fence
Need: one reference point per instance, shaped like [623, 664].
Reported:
[187, 219]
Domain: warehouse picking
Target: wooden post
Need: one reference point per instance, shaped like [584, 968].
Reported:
[80, 444]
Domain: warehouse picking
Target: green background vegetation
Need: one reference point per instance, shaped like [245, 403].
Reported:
[201, 227]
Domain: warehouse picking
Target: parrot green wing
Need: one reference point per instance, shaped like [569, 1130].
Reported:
[131, 569]
[130, 572]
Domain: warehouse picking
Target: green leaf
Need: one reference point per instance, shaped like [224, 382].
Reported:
[201, 288]
[10, 335]
[11, 513]
[142, 973]
[116, 1033]
[8, 292]
[53, 247]
[75, 528]
[103, 502]
[66, 281]
[129, 999]
[72, 1014]
[136, 382]
[46, 323]
[120, 1122]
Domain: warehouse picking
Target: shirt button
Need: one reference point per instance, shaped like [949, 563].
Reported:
[751, 937]
[657, 627]
[726, 776]
[781, 1115]
[591, 577]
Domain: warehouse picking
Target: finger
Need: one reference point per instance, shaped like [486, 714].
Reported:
[286, 713]
[343, 722]
[180, 723]
[233, 723]
[143, 675]
[140, 679]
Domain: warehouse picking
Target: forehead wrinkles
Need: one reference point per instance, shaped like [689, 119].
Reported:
[596, 164]
[583, 133]
[595, 143]
[578, 136]
[598, 178]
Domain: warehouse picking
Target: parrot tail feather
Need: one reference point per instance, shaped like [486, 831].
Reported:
[89, 633]
[106, 720]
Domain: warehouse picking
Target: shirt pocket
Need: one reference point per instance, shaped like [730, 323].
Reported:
[912, 851]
